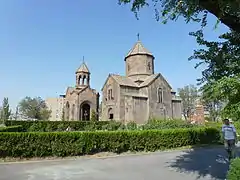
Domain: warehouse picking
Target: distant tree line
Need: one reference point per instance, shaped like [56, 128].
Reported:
[30, 108]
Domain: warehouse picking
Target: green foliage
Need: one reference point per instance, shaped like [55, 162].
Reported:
[39, 144]
[221, 58]
[11, 129]
[221, 77]
[234, 171]
[93, 115]
[191, 10]
[189, 95]
[131, 126]
[112, 126]
[5, 111]
[226, 89]
[167, 124]
[47, 126]
[34, 108]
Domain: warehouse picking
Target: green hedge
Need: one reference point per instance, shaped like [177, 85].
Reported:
[168, 124]
[49, 126]
[234, 171]
[40, 144]
[11, 129]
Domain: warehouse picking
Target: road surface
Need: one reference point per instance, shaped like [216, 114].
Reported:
[196, 164]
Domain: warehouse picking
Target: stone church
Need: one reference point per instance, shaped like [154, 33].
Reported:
[81, 100]
[140, 94]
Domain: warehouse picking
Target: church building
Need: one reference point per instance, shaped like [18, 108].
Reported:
[81, 100]
[141, 94]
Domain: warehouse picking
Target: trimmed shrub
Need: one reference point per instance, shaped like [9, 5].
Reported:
[49, 126]
[113, 126]
[234, 171]
[11, 129]
[40, 144]
[167, 124]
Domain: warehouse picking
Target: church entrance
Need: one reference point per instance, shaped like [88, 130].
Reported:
[85, 112]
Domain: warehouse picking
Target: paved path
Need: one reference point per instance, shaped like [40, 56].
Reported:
[198, 164]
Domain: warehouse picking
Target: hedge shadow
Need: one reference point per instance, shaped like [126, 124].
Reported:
[206, 162]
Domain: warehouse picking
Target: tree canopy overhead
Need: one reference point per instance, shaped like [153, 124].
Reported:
[222, 76]
[226, 11]
[221, 58]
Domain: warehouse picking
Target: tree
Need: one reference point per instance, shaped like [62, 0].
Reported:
[221, 58]
[227, 11]
[16, 113]
[34, 108]
[189, 95]
[63, 115]
[93, 116]
[220, 79]
[213, 106]
[226, 89]
[5, 110]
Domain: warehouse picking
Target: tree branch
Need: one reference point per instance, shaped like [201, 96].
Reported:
[230, 20]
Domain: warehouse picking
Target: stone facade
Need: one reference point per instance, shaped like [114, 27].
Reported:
[141, 94]
[81, 100]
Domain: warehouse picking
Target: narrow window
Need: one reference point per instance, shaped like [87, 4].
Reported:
[160, 95]
[79, 80]
[110, 94]
[149, 66]
[73, 111]
[67, 111]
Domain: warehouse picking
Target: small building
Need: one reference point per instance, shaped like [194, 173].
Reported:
[141, 94]
[56, 105]
[81, 100]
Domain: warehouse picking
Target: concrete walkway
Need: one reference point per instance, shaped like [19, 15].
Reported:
[196, 164]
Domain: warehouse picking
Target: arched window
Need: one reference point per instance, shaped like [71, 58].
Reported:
[83, 79]
[79, 80]
[160, 95]
[110, 94]
[73, 111]
[67, 110]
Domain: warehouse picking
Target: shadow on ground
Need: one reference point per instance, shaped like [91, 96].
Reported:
[203, 161]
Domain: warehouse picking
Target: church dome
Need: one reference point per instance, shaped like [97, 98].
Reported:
[138, 49]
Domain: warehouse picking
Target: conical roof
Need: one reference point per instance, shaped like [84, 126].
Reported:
[83, 68]
[137, 49]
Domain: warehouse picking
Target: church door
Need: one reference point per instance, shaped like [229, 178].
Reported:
[85, 112]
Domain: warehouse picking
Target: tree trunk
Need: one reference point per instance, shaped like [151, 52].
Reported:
[230, 20]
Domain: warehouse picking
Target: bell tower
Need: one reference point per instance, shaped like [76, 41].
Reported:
[82, 76]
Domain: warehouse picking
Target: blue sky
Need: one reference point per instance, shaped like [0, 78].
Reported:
[42, 44]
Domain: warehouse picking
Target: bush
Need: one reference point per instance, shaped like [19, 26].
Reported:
[167, 124]
[113, 126]
[49, 126]
[131, 126]
[40, 144]
[234, 171]
[11, 129]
